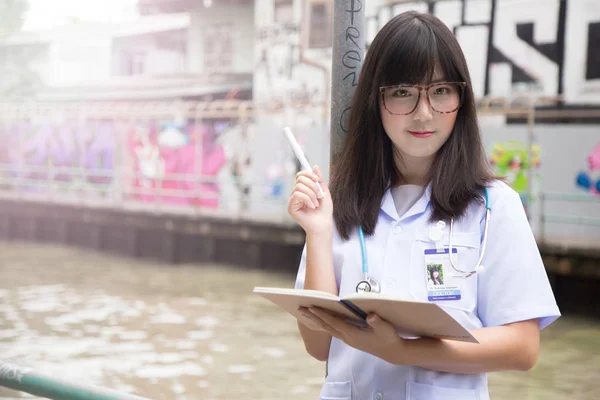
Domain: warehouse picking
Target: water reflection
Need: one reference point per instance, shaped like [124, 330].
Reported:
[197, 332]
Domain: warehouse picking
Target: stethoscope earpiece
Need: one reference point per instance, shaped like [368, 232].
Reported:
[479, 269]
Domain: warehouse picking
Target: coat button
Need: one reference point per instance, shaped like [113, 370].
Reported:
[397, 230]
[378, 396]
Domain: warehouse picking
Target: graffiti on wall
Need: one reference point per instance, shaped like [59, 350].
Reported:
[512, 161]
[589, 180]
[280, 71]
[162, 161]
[170, 157]
[49, 152]
[520, 46]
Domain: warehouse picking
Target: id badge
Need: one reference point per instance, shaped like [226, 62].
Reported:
[441, 283]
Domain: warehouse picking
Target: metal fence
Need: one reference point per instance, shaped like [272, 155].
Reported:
[40, 384]
[124, 186]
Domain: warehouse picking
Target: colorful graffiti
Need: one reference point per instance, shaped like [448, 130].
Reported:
[155, 161]
[511, 160]
[168, 157]
[590, 180]
[44, 152]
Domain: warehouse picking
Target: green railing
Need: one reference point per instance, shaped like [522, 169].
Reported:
[116, 190]
[38, 384]
[549, 218]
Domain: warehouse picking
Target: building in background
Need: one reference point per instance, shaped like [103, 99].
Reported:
[220, 38]
[278, 53]
[33, 61]
[148, 59]
[538, 48]
[514, 48]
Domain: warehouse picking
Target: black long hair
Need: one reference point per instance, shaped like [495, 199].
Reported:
[407, 50]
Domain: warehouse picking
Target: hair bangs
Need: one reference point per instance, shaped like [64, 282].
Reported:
[411, 57]
[415, 49]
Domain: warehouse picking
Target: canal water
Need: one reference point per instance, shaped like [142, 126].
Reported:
[191, 332]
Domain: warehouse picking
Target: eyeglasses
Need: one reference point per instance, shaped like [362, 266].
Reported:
[443, 97]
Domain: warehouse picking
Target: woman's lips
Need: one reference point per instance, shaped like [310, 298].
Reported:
[421, 134]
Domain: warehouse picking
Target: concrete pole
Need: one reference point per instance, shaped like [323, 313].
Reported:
[348, 50]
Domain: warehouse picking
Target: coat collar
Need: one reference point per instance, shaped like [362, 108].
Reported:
[388, 206]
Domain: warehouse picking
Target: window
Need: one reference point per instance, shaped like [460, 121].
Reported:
[320, 27]
[284, 11]
[218, 48]
[133, 63]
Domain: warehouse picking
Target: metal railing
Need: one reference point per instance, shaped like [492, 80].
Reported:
[121, 187]
[133, 191]
[582, 221]
[39, 384]
[106, 188]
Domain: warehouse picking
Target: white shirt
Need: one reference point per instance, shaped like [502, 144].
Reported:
[405, 196]
[513, 287]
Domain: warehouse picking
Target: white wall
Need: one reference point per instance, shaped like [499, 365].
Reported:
[280, 74]
[157, 60]
[281, 77]
[34, 56]
[76, 62]
[542, 68]
[241, 20]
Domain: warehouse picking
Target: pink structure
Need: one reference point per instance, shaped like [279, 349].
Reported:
[175, 150]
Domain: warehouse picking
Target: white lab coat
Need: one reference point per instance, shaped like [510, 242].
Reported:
[513, 287]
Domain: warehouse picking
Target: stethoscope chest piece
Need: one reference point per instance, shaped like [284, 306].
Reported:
[367, 286]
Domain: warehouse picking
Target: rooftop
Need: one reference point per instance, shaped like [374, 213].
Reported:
[146, 7]
[151, 88]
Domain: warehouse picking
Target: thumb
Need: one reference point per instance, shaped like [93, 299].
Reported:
[322, 182]
[373, 320]
[381, 327]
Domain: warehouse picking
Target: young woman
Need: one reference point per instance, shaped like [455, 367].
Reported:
[434, 276]
[412, 178]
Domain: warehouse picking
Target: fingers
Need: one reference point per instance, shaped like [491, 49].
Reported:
[305, 319]
[317, 172]
[335, 325]
[308, 187]
[317, 178]
[319, 322]
[309, 174]
[321, 180]
[300, 200]
[307, 192]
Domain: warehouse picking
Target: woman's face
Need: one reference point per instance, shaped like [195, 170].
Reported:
[423, 132]
[436, 274]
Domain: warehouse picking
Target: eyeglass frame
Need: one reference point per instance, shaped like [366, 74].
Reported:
[425, 89]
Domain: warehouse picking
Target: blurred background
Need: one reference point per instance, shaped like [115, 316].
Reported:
[144, 180]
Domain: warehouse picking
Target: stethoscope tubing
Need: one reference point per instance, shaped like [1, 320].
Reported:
[365, 261]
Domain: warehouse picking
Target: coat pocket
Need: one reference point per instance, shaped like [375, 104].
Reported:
[421, 391]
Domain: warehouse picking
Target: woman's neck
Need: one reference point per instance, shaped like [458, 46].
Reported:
[413, 170]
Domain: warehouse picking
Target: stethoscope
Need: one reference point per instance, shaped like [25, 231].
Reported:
[369, 284]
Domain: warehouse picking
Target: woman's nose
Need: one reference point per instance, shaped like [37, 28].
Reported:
[423, 112]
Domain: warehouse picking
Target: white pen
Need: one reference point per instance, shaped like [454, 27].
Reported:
[300, 155]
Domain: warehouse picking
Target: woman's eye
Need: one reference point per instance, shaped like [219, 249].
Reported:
[401, 93]
[441, 91]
